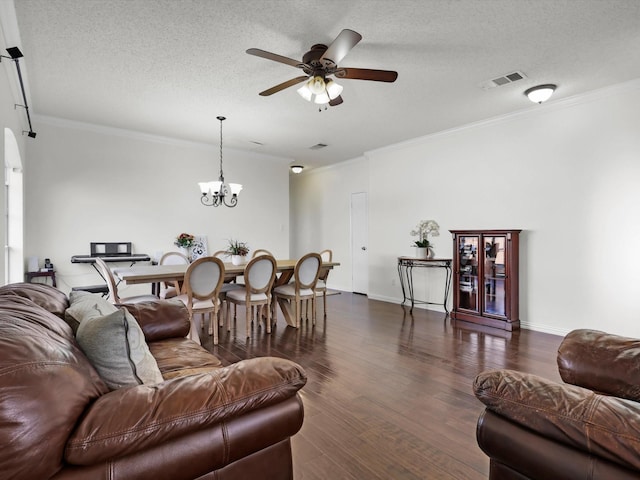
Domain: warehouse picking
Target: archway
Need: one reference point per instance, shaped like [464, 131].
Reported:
[14, 211]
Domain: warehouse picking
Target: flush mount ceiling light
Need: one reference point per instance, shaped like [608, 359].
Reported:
[540, 93]
[15, 54]
[296, 168]
[219, 193]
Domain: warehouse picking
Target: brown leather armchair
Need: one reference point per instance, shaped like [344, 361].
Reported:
[58, 419]
[588, 428]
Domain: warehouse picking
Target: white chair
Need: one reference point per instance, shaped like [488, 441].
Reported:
[172, 258]
[230, 282]
[202, 283]
[303, 287]
[259, 275]
[112, 284]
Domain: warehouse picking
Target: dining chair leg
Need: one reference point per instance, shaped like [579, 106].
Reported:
[248, 315]
[324, 303]
[268, 320]
[214, 321]
[314, 309]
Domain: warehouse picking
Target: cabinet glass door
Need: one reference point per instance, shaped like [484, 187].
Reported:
[468, 275]
[494, 275]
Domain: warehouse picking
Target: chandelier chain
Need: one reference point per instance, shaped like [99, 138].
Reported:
[221, 174]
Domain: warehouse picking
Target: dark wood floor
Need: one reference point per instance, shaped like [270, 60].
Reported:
[389, 394]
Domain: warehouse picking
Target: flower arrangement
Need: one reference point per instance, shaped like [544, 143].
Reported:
[423, 230]
[184, 240]
[236, 247]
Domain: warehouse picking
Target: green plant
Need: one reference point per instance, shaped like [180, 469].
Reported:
[422, 243]
[236, 247]
[184, 240]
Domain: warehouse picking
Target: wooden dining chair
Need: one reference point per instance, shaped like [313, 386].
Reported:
[112, 285]
[202, 283]
[260, 251]
[259, 275]
[303, 287]
[171, 289]
[321, 286]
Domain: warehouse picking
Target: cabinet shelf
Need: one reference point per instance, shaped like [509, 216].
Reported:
[485, 277]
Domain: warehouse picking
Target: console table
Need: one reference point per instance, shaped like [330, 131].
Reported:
[48, 274]
[405, 272]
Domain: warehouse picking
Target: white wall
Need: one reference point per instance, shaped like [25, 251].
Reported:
[320, 210]
[567, 173]
[92, 184]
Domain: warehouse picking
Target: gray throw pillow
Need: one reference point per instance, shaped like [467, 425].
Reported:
[115, 346]
[84, 305]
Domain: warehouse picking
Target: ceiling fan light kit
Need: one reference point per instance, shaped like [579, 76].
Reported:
[319, 64]
[540, 93]
[217, 193]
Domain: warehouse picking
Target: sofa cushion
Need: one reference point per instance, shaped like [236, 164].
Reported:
[115, 345]
[178, 357]
[161, 319]
[607, 427]
[46, 296]
[84, 305]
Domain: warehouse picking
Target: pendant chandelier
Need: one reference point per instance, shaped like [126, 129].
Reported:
[219, 193]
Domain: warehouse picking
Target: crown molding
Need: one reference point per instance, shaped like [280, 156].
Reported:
[530, 111]
[147, 137]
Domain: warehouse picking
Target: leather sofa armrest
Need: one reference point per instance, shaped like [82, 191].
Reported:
[133, 419]
[608, 427]
[160, 319]
[601, 362]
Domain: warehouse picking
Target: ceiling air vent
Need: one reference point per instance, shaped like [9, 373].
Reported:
[503, 80]
[318, 146]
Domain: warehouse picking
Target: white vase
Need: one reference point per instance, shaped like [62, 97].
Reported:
[238, 259]
[421, 252]
[185, 251]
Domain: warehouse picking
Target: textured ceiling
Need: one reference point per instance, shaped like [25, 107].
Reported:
[169, 67]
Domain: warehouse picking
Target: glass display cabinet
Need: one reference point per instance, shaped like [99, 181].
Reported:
[485, 277]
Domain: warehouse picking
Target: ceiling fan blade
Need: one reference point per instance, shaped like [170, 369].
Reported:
[336, 101]
[283, 85]
[345, 41]
[275, 57]
[367, 74]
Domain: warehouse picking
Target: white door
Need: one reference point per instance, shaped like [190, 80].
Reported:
[359, 242]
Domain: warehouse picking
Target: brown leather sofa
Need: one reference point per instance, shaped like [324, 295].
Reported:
[587, 428]
[58, 420]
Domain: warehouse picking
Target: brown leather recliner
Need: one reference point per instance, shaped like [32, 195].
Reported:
[588, 428]
[58, 419]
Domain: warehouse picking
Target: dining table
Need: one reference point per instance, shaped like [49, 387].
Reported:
[155, 274]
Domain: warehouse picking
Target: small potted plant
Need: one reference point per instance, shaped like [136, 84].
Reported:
[184, 242]
[423, 229]
[238, 251]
